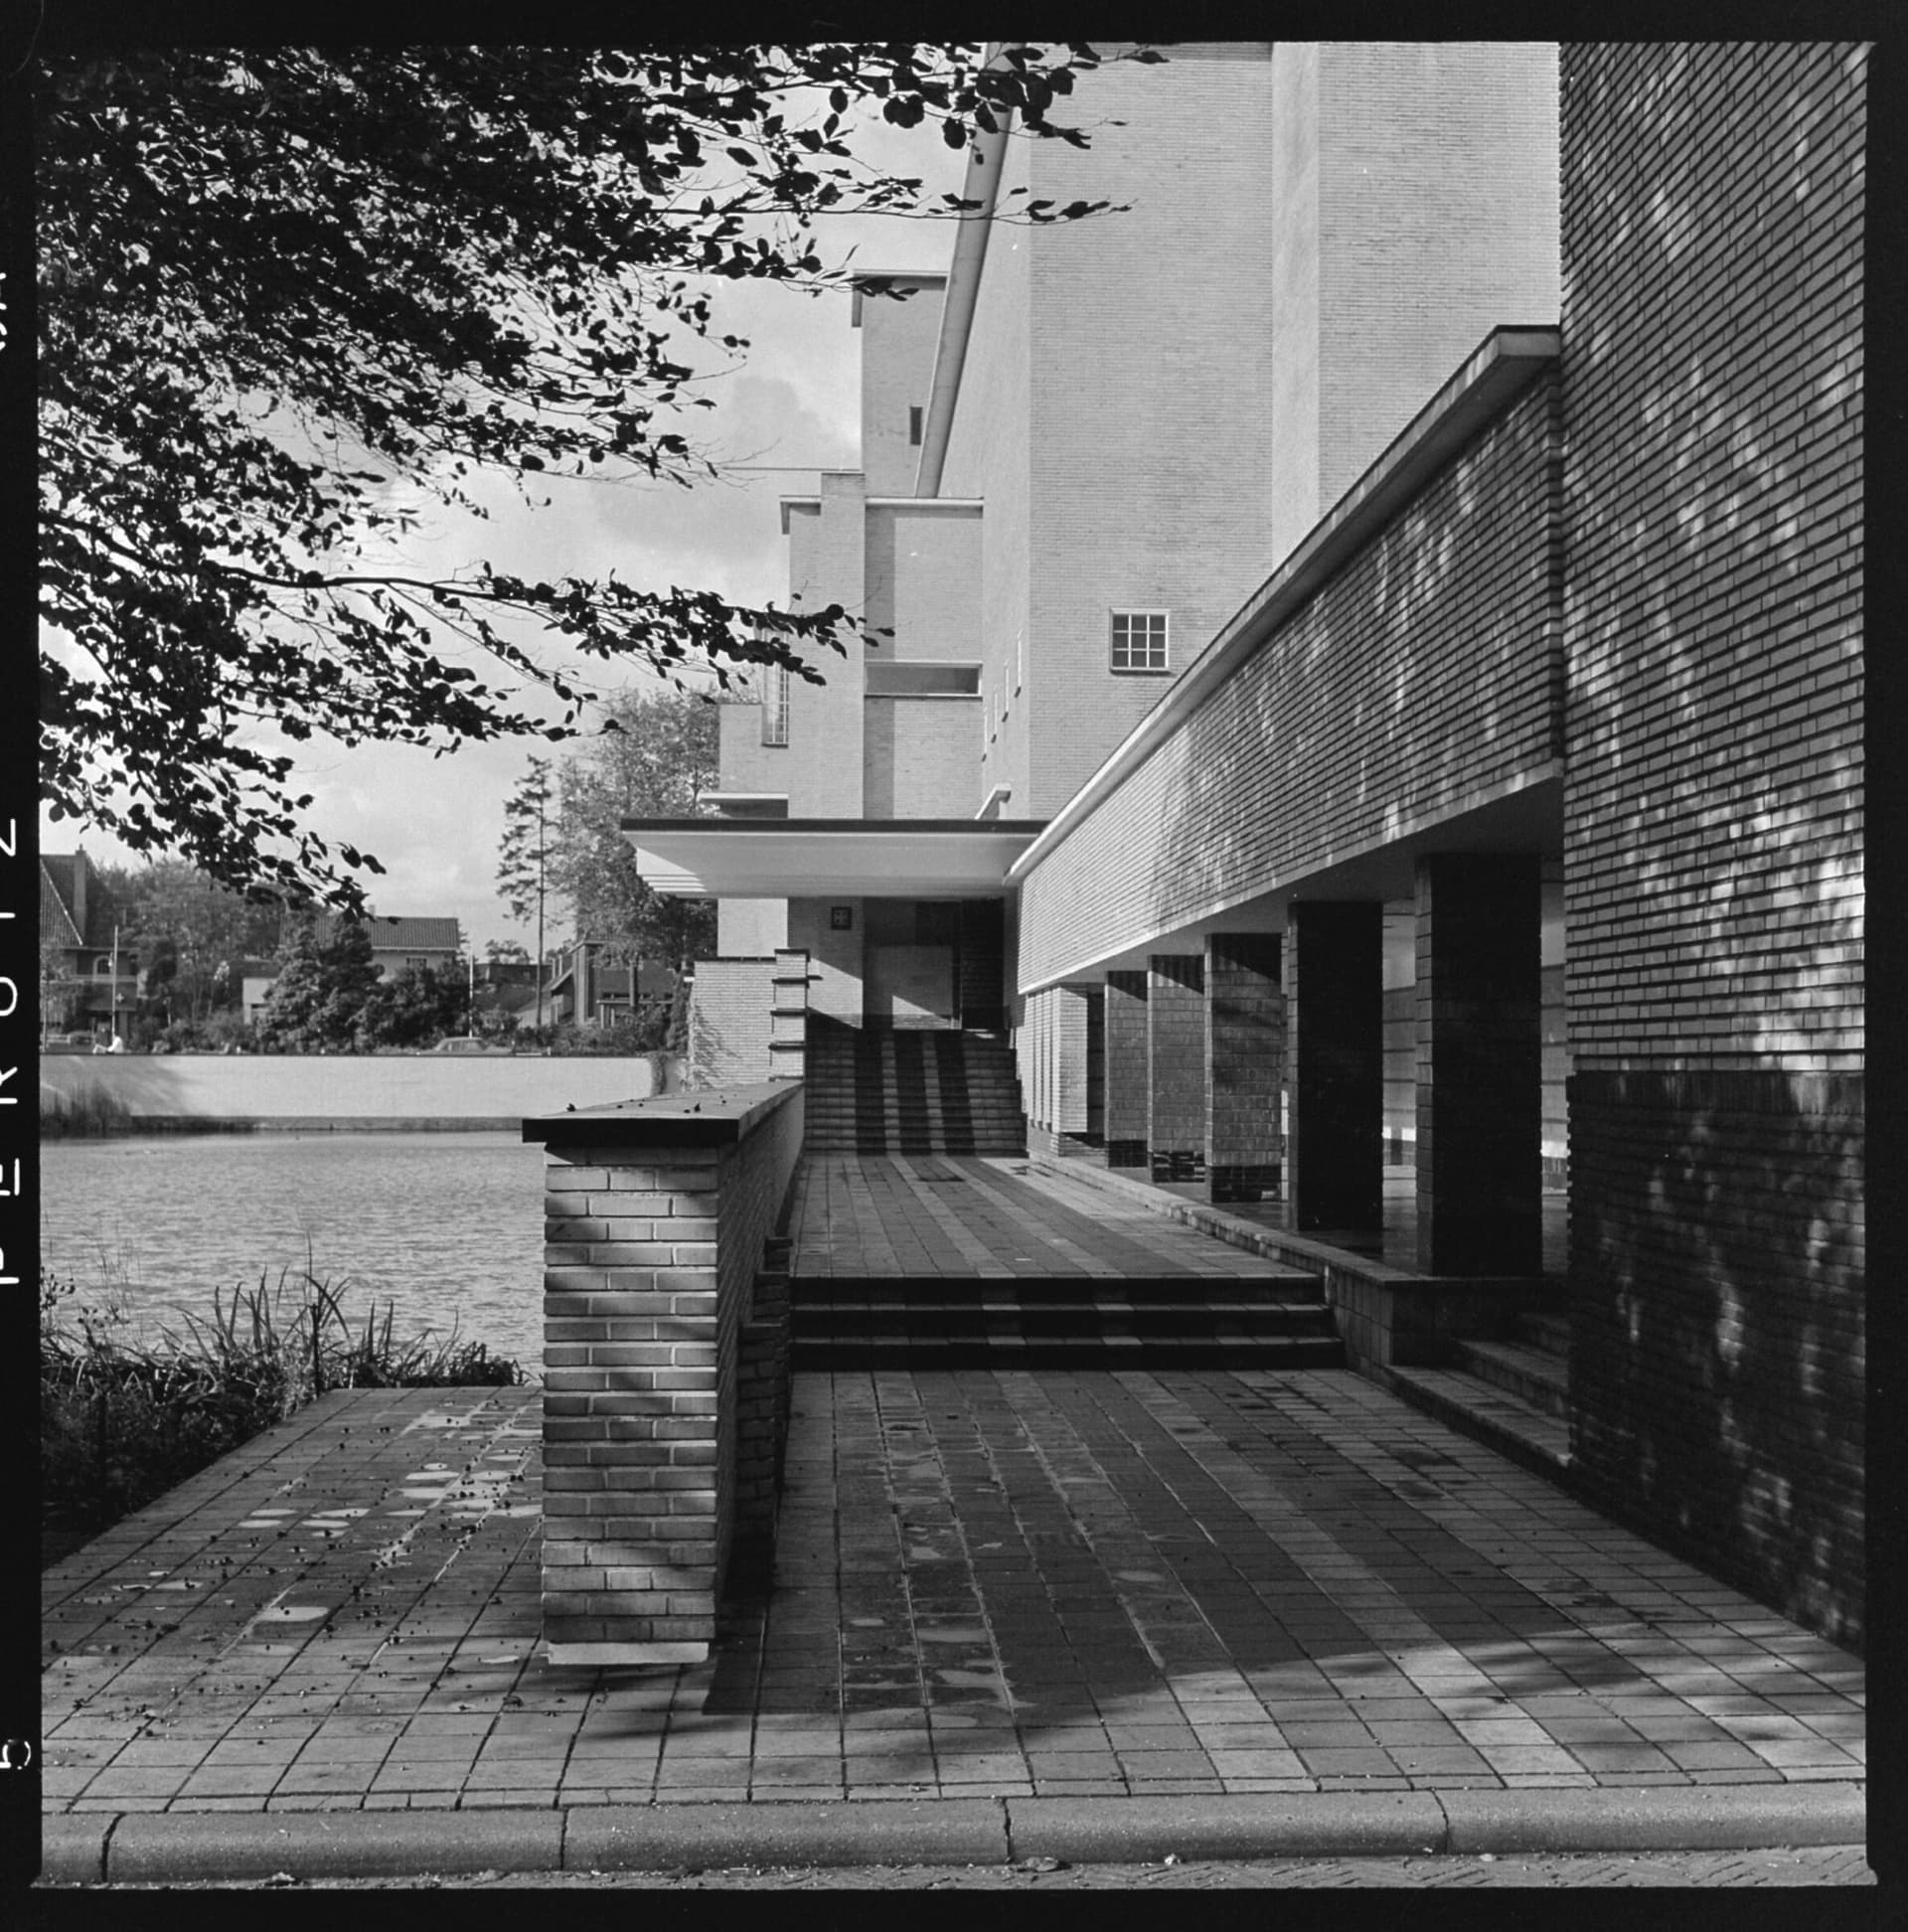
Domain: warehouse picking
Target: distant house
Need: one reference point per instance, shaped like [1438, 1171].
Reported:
[255, 983]
[585, 989]
[398, 941]
[77, 919]
[506, 987]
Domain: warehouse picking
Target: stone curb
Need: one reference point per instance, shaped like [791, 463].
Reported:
[1227, 1824]
[144, 1848]
[932, 1830]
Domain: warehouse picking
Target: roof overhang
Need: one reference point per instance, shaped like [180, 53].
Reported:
[782, 858]
[1507, 361]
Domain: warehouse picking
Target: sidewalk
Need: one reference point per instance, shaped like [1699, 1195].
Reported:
[1094, 1615]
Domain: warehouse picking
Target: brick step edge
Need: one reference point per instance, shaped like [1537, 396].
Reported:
[1186, 1291]
[1533, 1375]
[929, 1354]
[1304, 1318]
[1534, 1441]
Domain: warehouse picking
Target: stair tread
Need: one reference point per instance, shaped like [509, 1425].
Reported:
[1540, 1364]
[1489, 1413]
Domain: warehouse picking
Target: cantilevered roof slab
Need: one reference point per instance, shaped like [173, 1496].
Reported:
[828, 857]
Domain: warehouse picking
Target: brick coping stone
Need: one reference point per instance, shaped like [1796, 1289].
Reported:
[711, 1116]
[105, 1847]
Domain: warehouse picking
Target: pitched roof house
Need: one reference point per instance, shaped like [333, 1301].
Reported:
[78, 916]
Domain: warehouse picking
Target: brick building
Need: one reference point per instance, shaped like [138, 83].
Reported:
[1374, 686]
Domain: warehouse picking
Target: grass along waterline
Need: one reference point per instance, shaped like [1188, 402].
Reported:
[123, 1418]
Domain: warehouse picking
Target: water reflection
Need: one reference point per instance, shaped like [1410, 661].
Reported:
[449, 1227]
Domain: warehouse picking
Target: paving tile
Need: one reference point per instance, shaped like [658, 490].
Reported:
[1317, 1612]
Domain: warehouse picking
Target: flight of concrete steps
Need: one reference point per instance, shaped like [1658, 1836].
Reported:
[1511, 1392]
[1278, 1321]
[909, 1091]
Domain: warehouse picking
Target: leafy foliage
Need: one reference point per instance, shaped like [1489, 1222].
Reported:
[523, 860]
[279, 284]
[321, 1001]
[658, 755]
[417, 1007]
[191, 936]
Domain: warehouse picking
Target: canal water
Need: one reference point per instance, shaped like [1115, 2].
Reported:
[446, 1226]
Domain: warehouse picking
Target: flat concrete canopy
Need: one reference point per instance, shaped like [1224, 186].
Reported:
[805, 857]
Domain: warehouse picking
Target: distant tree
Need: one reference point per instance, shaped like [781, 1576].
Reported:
[417, 1007]
[502, 952]
[58, 988]
[657, 757]
[187, 931]
[321, 997]
[523, 860]
[278, 283]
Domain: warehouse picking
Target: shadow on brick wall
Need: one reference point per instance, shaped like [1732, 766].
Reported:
[1716, 1297]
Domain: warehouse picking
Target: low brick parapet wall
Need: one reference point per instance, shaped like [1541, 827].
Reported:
[657, 1215]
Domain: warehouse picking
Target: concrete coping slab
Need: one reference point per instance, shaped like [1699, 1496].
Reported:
[172, 1848]
[711, 1117]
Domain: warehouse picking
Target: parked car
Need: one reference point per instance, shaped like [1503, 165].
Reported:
[469, 1046]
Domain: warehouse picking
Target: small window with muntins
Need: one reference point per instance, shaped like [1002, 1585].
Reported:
[775, 704]
[1139, 640]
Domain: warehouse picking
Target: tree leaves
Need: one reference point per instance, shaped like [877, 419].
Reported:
[286, 293]
[657, 755]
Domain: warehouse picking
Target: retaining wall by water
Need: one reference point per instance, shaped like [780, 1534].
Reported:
[149, 1092]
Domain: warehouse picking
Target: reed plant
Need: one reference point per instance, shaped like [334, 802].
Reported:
[125, 1419]
[90, 1112]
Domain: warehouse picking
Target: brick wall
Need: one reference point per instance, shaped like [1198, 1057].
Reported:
[827, 554]
[898, 333]
[729, 1011]
[835, 958]
[1424, 212]
[1418, 678]
[989, 456]
[746, 763]
[920, 755]
[1414, 186]
[1713, 875]
[923, 584]
[1150, 442]
[1437, 216]
[750, 928]
[652, 1248]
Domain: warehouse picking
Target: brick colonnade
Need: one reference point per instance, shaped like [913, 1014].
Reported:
[1175, 1066]
[1245, 1064]
[1124, 1052]
[1478, 1064]
[1335, 1063]
[658, 1213]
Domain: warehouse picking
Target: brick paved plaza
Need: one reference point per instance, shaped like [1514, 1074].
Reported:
[1101, 1582]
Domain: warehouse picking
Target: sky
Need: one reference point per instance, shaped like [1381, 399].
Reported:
[435, 823]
